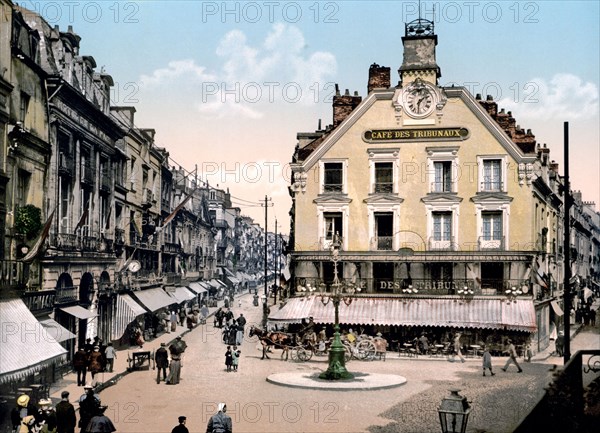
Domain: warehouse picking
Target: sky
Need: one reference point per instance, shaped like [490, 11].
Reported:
[228, 85]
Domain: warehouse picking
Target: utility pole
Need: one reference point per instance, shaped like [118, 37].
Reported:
[276, 266]
[567, 250]
[266, 301]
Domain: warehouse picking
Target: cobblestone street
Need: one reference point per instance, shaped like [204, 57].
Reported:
[136, 403]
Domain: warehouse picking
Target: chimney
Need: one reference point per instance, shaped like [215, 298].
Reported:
[343, 105]
[379, 77]
[124, 114]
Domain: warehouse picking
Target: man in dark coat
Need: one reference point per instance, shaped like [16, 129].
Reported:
[100, 423]
[80, 363]
[89, 407]
[181, 428]
[65, 415]
[161, 359]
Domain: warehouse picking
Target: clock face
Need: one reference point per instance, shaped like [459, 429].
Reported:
[419, 101]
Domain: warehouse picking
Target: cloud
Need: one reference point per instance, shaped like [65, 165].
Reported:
[250, 79]
[564, 97]
[174, 69]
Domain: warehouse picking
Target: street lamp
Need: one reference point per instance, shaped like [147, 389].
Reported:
[512, 294]
[340, 291]
[454, 413]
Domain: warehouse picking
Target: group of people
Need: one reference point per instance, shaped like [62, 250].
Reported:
[161, 361]
[26, 417]
[233, 329]
[232, 358]
[93, 357]
[218, 423]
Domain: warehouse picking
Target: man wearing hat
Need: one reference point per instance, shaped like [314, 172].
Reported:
[89, 407]
[219, 422]
[100, 423]
[161, 362]
[65, 415]
[181, 428]
[512, 357]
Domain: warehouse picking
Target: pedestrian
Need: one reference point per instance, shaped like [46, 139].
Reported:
[80, 363]
[96, 362]
[89, 407]
[65, 415]
[161, 362]
[241, 323]
[173, 321]
[528, 353]
[46, 416]
[228, 358]
[235, 358]
[220, 422]
[559, 344]
[100, 423]
[88, 346]
[23, 408]
[593, 317]
[110, 354]
[219, 315]
[487, 361]
[228, 317]
[512, 357]
[182, 316]
[457, 348]
[181, 428]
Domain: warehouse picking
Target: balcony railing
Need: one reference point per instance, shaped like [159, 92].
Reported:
[88, 173]
[492, 186]
[382, 243]
[65, 295]
[40, 300]
[171, 248]
[105, 182]
[89, 243]
[333, 187]
[325, 244]
[442, 245]
[64, 241]
[148, 197]
[383, 188]
[13, 273]
[65, 164]
[490, 244]
[441, 187]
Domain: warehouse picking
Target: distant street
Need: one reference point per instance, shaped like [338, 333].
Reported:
[137, 403]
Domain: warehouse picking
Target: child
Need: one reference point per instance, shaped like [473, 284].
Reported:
[228, 358]
[487, 361]
[235, 358]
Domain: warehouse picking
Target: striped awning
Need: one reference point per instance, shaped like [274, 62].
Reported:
[199, 287]
[79, 312]
[183, 294]
[480, 313]
[27, 347]
[217, 284]
[56, 330]
[154, 299]
[127, 310]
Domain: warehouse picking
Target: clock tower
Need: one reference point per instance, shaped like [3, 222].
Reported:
[419, 53]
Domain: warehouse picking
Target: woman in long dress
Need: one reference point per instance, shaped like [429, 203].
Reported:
[174, 370]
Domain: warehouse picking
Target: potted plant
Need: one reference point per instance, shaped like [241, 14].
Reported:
[28, 221]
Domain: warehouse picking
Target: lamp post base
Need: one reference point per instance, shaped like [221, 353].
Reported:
[337, 362]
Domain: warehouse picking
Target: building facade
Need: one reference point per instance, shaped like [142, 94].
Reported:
[427, 190]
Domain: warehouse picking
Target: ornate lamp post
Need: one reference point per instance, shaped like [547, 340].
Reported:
[340, 292]
[454, 413]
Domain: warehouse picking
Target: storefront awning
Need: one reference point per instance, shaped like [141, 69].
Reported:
[127, 310]
[56, 330]
[183, 294]
[217, 284]
[154, 299]
[233, 280]
[556, 307]
[27, 347]
[79, 312]
[198, 287]
[442, 312]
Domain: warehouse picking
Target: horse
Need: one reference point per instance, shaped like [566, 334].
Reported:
[279, 340]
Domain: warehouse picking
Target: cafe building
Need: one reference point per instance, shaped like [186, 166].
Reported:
[427, 191]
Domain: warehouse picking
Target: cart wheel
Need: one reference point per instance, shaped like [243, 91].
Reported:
[366, 350]
[347, 353]
[304, 354]
[294, 354]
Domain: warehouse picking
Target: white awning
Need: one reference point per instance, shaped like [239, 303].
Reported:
[56, 330]
[127, 310]
[27, 347]
[197, 288]
[183, 294]
[79, 312]
[556, 307]
[154, 299]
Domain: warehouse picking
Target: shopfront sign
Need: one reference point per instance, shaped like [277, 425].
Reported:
[427, 134]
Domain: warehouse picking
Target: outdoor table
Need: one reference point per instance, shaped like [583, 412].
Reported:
[138, 359]
[475, 349]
